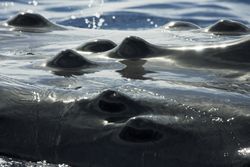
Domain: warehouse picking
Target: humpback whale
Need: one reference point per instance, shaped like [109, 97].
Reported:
[113, 129]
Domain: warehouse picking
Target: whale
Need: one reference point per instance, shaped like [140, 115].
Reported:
[123, 127]
[31, 22]
[112, 128]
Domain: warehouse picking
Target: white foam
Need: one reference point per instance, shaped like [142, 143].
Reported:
[2, 161]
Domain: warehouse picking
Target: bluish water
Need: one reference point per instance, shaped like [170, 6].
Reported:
[195, 82]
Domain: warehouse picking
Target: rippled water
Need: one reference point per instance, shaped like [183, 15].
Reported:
[195, 80]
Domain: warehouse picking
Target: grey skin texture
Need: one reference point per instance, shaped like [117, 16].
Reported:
[234, 54]
[112, 129]
[181, 25]
[134, 47]
[69, 59]
[32, 22]
[96, 46]
[228, 27]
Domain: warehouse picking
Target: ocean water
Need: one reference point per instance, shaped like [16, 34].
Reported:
[195, 79]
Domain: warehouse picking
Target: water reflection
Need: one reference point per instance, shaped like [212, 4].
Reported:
[134, 69]
[68, 73]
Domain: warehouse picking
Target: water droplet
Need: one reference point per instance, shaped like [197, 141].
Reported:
[230, 119]
[34, 3]
[226, 154]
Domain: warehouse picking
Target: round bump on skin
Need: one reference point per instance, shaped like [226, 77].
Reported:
[29, 20]
[140, 130]
[135, 47]
[112, 107]
[69, 59]
[100, 45]
[112, 102]
[181, 25]
[229, 27]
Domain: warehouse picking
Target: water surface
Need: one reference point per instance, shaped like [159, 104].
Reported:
[193, 82]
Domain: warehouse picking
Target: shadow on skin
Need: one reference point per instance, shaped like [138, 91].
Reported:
[140, 130]
[113, 106]
[111, 101]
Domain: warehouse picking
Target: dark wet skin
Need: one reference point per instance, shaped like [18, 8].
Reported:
[29, 20]
[69, 59]
[134, 131]
[32, 22]
[181, 25]
[228, 27]
[113, 102]
[135, 47]
[100, 45]
[140, 130]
